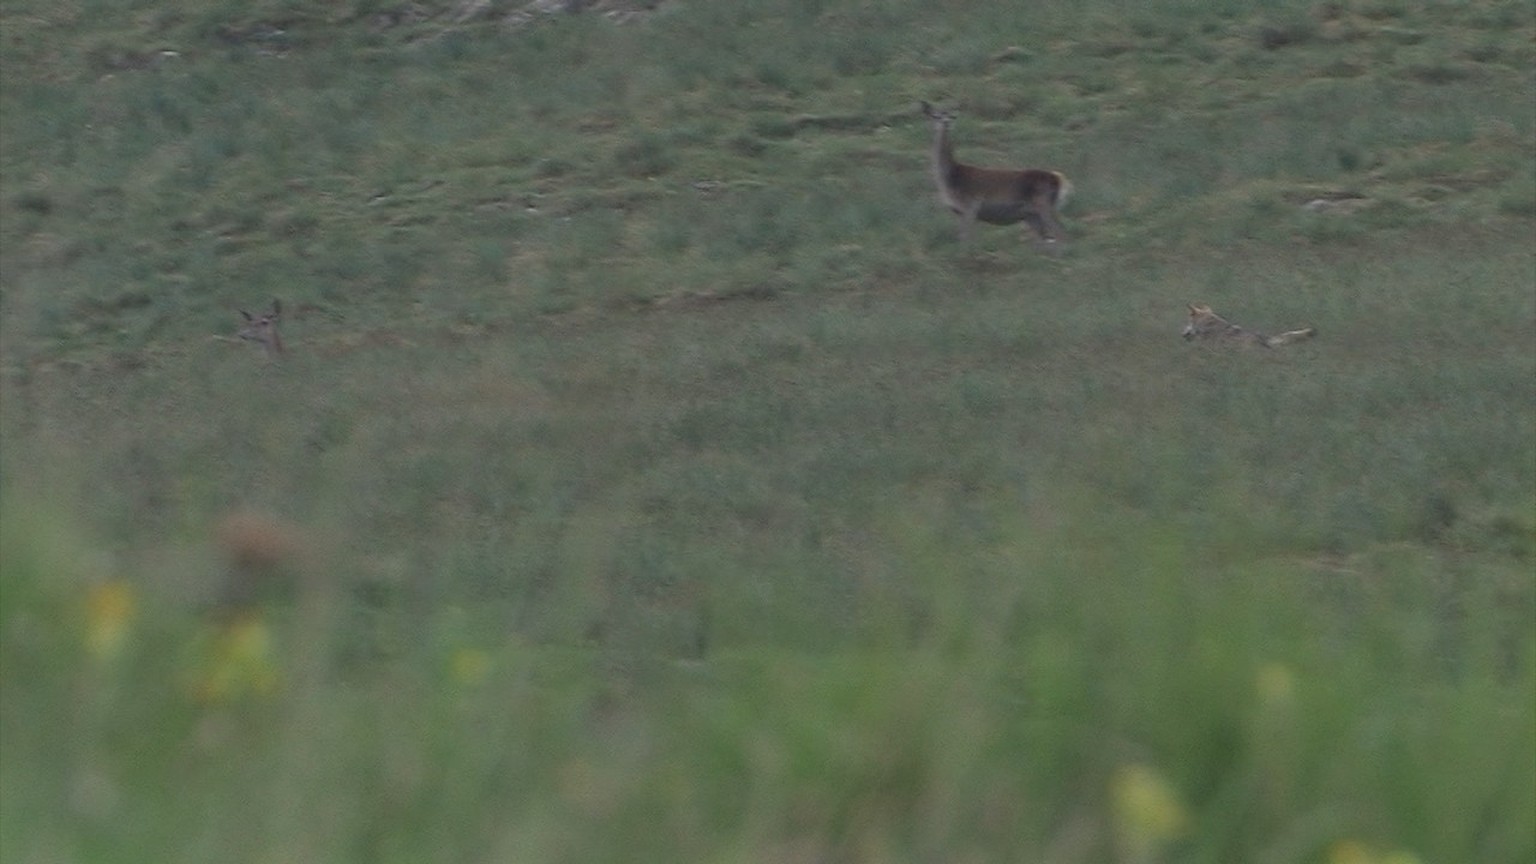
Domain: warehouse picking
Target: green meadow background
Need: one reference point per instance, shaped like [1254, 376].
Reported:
[653, 476]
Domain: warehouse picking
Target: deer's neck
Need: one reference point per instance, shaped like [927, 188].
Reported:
[943, 151]
[944, 166]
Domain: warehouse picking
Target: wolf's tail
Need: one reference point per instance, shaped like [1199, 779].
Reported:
[1290, 336]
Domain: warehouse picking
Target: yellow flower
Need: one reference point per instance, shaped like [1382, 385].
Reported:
[1355, 852]
[241, 661]
[109, 615]
[1277, 686]
[1147, 811]
[1351, 852]
[469, 666]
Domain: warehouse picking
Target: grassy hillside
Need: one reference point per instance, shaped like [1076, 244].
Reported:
[654, 476]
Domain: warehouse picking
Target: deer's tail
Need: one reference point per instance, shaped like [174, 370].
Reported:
[1063, 189]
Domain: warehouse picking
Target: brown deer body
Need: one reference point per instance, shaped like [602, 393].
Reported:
[263, 329]
[997, 196]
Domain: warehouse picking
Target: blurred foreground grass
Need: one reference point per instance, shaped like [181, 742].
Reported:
[1079, 685]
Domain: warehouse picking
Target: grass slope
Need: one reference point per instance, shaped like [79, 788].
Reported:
[654, 477]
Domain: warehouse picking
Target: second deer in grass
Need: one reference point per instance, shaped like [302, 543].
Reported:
[997, 196]
[263, 328]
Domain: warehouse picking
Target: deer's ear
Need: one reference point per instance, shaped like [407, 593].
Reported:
[246, 315]
[1193, 309]
[277, 307]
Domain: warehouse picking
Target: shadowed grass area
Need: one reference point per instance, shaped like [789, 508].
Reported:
[794, 578]
[652, 476]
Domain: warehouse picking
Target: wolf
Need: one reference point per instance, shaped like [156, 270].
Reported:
[1206, 324]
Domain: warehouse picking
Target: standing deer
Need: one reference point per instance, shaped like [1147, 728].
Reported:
[997, 196]
[263, 329]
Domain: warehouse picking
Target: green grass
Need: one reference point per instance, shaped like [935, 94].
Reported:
[654, 477]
